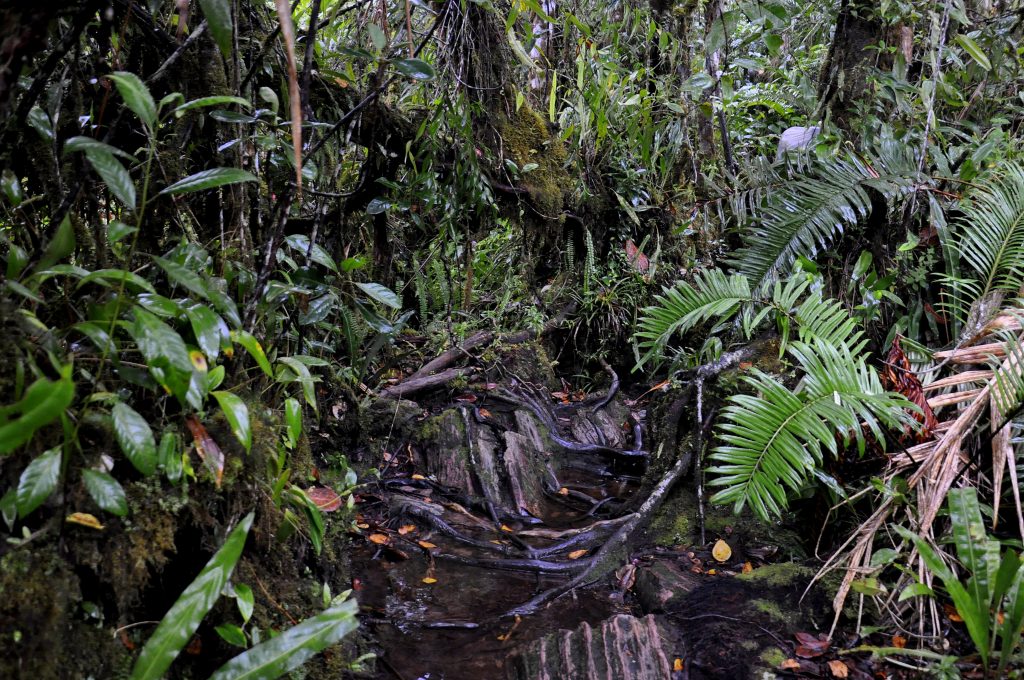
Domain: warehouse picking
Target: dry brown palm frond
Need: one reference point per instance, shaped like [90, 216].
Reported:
[942, 462]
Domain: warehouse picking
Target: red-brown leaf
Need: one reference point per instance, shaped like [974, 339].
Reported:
[326, 499]
[636, 257]
[207, 449]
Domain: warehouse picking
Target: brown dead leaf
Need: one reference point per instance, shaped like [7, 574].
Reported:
[195, 646]
[810, 646]
[362, 525]
[484, 413]
[952, 613]
[84, 519]
[626, 574]
[325, 499]
[406, 529]
[379, 539]
[426, 545]
[467, 398]
[207, 449]
[636, 257]
[576, 554]
[899, 641]
[838, 669]
[563, 491]
[747, 567]
[790, 665]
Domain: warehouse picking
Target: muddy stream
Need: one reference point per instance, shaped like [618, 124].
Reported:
[500, 543]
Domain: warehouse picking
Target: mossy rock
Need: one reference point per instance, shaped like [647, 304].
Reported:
[528, 141]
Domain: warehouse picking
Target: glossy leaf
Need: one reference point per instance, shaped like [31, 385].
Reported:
[245, 600]
[11, 187]
[210, 330]
[135, 438]
[972, 48]
[182, 276]
[289, 650]
[255, 350]
[159, 343]
[978, 553]
[232, 634]
[90, 145]
[136, 95]
[106, 491]
[169, 456]
[114, 175]
[293, 420]
[43, 402]
[184, 617]
[218, 18]
[115, 277]
[416, 69]
[381, 294]
[209, 179]
[38, 481]
[60, 246]
[216, 100]
[207, 448]
[302, 376]
[237, 414]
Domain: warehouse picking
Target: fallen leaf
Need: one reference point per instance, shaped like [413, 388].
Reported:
[507, 528]
[325, 499]
[427, 545]
[406, 529]
[790, 665]
[563, 491]
[362, 525]
[677, 665]
[429, 579]
[721, 551]
[576, 554]
[195, 646]
[747, 567]
[484, 413]
[379, 539]
[207, 449]
[712, 572]
[468, 398]
[899, 641]
[419, 477]
[626, 574]
[810, 646]
[84, 519]
[952, 613]
[838, 668]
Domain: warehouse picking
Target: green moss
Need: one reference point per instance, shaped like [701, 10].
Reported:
[771, 609]
[527, 140]
[780, 575]
[773, 657]
[674, 523]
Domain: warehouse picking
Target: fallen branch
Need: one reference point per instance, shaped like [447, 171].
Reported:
[411, 386]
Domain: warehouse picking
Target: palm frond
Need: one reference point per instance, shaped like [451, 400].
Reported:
[989, 240]
[772, 439]
[683, 306]
[817, 318]
[808, 211]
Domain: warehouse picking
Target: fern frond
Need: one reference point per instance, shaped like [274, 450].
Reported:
[810, 210]
[773, 439]
[817, 318]
[989, 239]
[683, 306]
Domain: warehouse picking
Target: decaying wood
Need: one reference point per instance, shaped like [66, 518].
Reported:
[412, 386]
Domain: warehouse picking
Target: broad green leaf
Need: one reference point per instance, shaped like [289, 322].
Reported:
[972, 48]
[381, 294]
[377, 205]
[293, 420]
[300, 244]
[224, 303]
[214, 378]
[11, 187]
[135, 438]
[114, 175]
[1013, 621]
[169, 456]
[377, 36]
[9, 507]
[245, 600]
[136, 95]
[915, 589]
[209, 179]
[292, 648]
[232, 634]
[978, 553]
[117, 230]
[184, 617]
[106, 491]
[254, 348]
[302, 376]
[17, 258]
[203, 102]
[39, 121]
[38, 481]
[158, 304]
[210, 330]
[773, 42]
[89, 145]
[109, 277]
[182, 276]
[416, 69]
[60, 246]
[270, 97]
[43, 402]
[237, 414]
[158, 342]
[218, 18]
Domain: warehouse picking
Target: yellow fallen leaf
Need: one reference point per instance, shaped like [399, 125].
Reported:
[790, 665]
[362, 525]
[406, 529]
[84, 519]
[379, 539]
[429, 580]
[419, 477]
[747, 567]
[426, 544]
[576, 554]
[721, 551]
[507, 528]
[563, 491]
[711, 572]
[677, 666]
[838, 668]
